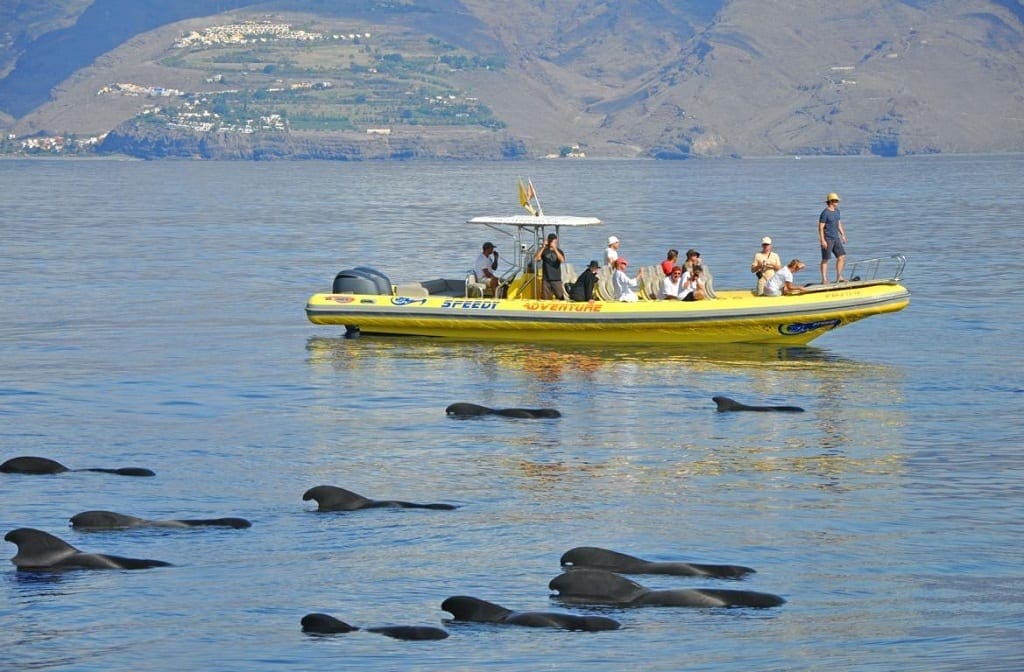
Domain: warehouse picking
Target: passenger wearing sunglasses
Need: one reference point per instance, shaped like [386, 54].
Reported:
[670, 284]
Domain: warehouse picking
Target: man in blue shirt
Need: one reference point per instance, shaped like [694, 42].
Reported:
[831, 236]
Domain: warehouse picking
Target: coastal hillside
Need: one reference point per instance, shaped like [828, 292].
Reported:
[362, 79]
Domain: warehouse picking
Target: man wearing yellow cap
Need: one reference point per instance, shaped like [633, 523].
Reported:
[831, 236]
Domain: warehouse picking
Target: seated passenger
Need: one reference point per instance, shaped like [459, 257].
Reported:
[693, 259]
[671, 284]
[670, 262]
[691, 286]
[586, 283]
[625, 288]
[486, 264]
[782, 282]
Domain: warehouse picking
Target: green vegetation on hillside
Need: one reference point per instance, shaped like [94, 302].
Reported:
[312, 78]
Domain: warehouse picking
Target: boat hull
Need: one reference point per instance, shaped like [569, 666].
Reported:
[734, 317]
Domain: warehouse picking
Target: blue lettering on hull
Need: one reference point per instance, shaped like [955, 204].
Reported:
[797, 328]
[470, 305]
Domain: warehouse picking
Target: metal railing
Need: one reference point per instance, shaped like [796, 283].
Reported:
[877, 269]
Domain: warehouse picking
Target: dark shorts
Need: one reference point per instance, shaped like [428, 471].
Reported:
[551, 288]
[832, 247]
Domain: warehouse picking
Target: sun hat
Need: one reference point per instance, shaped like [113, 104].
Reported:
[766, 241]
[612, 240]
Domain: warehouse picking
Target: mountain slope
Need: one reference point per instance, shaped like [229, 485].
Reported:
[660, 78]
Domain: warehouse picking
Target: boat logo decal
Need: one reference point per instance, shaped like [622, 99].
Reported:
[470, 304]
[341, 298]
[797, 328]
[562, 307]
[405, 300]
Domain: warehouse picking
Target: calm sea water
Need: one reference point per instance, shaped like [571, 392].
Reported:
[151, 314]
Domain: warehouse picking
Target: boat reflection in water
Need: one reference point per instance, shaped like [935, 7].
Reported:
[553, 362]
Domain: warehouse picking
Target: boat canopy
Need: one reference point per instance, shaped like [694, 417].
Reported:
[537, 221]
[526, 234]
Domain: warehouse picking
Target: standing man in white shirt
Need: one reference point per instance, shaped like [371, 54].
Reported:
[611, 253]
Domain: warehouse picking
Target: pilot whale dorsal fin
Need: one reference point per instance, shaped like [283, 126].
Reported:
[613, 561]
[105, 520]
[597, 583]
[30, 464]
[726, 404]
[466, 410]
[333, 498]
[111, 520]
[600, 558]
[37, 548]
[466, 608]
[325, 624]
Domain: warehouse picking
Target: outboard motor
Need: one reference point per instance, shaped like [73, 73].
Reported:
[383, 282]
[361, 281]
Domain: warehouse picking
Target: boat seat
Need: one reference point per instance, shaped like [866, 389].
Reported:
[445, 287]
[412, 289]
[605, 290]
[475, 288]
[568, 276]
[709, 282]
[653, 275]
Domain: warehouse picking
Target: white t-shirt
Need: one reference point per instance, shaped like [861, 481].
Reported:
[482, 262]
[689, 284]
[669, 287]
[775, 283]
[610, 255]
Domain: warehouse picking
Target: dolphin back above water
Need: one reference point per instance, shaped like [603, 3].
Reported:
[591, 557]
[465, 608]
[110, 520]
[726, 404]
[325, 624]
[40, 551]
[28, 464]
[332, 498]
[464, 410]
[596, 586]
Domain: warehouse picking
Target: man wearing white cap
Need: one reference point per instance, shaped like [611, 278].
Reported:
[765, 264]
[611, 253]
